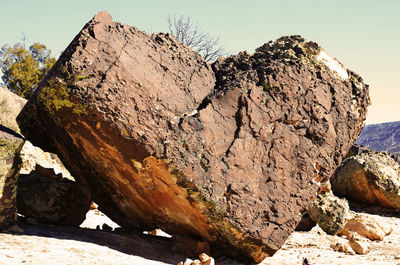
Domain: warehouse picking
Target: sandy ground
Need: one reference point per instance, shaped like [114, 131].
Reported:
[315, 245]
[49, 244]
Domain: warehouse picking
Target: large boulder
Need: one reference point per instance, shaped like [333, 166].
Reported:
[233, 155]
[10, 163]
[50, 198]
[368, 177]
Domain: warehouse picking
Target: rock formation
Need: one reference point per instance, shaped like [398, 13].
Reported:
[368, 177]
[359, 244]
[329, 212]
[50, 198]
[365, 227]
[10, 163]
[232, 155]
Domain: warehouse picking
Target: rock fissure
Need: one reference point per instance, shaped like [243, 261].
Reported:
[244, 139]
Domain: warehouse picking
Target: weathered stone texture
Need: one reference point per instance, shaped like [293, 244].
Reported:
[365, 227]
[50, 198]
[368, 177]
[232, 154]
[329, 212]
[10, 163]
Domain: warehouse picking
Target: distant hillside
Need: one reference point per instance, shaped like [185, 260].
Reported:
[381, 137]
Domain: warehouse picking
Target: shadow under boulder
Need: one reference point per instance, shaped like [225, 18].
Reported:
[10, 163]
[230, 153]
[50, 198]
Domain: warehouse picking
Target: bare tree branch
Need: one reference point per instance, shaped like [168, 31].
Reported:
[189, 33]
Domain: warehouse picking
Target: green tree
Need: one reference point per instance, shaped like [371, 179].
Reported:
[23, 69]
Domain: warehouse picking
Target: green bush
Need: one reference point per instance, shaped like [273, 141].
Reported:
[23, 69]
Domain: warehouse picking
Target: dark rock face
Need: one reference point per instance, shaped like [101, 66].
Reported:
[52, 199]
[10, 163]
[368, 177]
[306, 223]
[232, 154]
[381, 137]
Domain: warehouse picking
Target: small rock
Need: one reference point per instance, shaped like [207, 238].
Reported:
[341, 245]
[210, 261]
[188, 262]
[366, 227]
[358, 244]
[14, 229]
[196, 262]
[153, 232]
[93, 206]
[204, 257]
[158, 232]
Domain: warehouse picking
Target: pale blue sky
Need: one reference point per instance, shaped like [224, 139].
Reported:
[363, 35]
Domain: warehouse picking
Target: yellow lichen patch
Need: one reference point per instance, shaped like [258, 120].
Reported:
[55, 96]
[124, 132]
[137, 164]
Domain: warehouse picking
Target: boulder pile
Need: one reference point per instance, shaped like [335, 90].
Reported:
[232, 153]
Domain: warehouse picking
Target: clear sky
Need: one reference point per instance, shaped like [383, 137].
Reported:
[363, 34]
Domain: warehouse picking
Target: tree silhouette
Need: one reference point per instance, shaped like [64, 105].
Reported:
[189, 33]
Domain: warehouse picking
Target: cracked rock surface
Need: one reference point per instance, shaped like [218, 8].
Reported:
[232, 153]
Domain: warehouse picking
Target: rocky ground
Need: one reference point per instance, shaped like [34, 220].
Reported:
[315, 245]
[47, 244]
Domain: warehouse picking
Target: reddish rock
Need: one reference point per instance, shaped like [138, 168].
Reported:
[234, 157]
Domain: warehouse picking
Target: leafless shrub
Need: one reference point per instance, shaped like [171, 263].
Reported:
[189, 33]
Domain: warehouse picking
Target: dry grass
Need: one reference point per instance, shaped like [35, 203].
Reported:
[10, 106]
